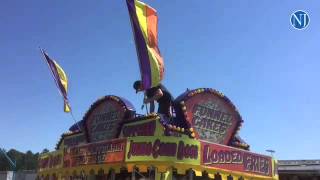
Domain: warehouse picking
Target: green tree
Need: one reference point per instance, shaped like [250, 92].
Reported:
[24, 161]
[45, 150]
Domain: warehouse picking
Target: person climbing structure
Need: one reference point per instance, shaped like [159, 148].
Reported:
[160, 94]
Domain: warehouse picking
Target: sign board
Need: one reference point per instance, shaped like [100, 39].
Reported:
[139, 128]
[104, 118]
[95, 153]
[50, 160]
[74, 140]
[163, 149]
[211, 115]
[149, 127]
[225, 157]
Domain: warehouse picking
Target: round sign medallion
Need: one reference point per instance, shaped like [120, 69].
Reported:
[104, 118]
[210, 114]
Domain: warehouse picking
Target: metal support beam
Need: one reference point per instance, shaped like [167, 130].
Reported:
[112, 174]
[190, 174]
[133, 174]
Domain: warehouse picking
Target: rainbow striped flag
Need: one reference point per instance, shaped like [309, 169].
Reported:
[144, 22]
[60, 79]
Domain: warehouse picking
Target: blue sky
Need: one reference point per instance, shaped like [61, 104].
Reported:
[246, 49]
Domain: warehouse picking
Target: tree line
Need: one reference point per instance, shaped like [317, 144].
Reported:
[24, 161]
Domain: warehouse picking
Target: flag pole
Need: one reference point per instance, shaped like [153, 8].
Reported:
[55, 82]
[74, 119]
[146, 105]
[147, 108]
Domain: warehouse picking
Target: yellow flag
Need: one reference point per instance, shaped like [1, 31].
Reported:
[60, 79]
[62, 76]
[67, 107]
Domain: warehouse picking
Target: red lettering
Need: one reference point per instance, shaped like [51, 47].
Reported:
[145, 129]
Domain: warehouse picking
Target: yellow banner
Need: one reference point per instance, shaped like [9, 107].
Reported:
[170, 149]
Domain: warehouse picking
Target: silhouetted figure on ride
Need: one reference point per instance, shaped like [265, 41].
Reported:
[160, 94]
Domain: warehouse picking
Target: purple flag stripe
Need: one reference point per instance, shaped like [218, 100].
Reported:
[54, 71]
[141, 46]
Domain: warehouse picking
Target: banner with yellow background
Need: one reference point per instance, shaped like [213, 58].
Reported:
[161, 148]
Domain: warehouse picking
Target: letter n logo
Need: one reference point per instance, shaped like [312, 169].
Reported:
[299, 19]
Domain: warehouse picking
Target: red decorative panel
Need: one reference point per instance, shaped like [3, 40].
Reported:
[225, 157]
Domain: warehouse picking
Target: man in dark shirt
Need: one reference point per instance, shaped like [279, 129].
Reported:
[160, 94]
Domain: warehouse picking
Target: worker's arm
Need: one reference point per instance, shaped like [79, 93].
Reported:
[156, 96]
[151, 106]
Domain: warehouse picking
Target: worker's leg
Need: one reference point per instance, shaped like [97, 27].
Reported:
[164, 108]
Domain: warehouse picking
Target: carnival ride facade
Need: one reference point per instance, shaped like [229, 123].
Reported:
[200, 141]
